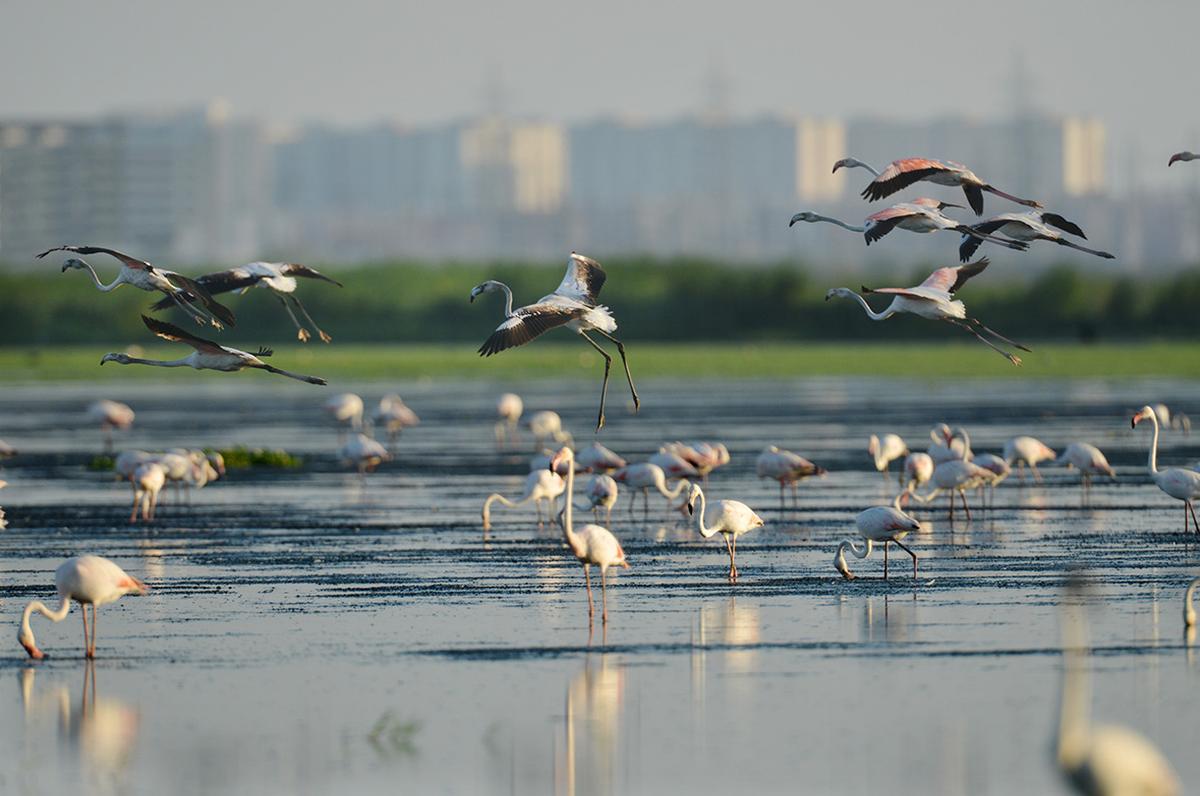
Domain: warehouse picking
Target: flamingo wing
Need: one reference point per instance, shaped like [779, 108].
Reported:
[583, 279]
[899, 175]
[217, 282]
[169, 331]
[194, 288]
[970, 244]
[951, 278]
[1057, 221]
[883, 222]
[526, 324]
[131, 262]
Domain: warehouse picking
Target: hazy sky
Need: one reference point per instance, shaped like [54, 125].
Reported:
[1135, 65]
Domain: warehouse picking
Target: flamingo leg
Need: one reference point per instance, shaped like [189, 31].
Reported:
[301, 333]
[197, 316]
[95, 615]
[782, 505]
[729, 549]
[637, 402]
[1011, 358]
[1192, 509]
[963, 494]
[603, 596]
[904, 547]
[608, 517]
[646, 504]
[952, 506]
[997, 335]
[604, 386]
[87, 644]
[320, 332]
[734, 561]
[885, 559]
[587, 578]
[1036, 475]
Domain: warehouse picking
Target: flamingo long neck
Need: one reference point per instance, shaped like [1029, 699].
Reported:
[54, 616]
[508, 299]
[867, 166]
[162, 363]
[1073, 719]
[698, 517]
[875, 316]
[672, 494]
[842, 224]
[1153, 463]
[840, 559]
[573, 539]
[116, 283]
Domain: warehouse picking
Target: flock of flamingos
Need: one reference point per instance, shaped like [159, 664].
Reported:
[1107, 760]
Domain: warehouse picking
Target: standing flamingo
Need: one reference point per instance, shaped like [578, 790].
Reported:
[673, 464]
[346, 409]
[730, 518]
[509, 407]
[934, 299]
[887, 524]
[918, 469]
[364, 453]
[1027, 450]
[957, 476]
[547, 426]
[572, 304]
[1088, 460]
[645, 475]
[921, 215]
[148, 480]
[110, 415]
[145, 276]
[944, 446]
[1177, 482]
[598, 459]
[591, 544]
[1027, 227]
[995, 464]
[886, 450]
[900, 174]
[786, 468]
[602, 494]
[88, 580]
[394, 415]
[539, 485]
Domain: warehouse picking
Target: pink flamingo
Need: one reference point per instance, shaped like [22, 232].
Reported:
[900, 174]
[921, 215]
[1177, 482]
[730, 518]
[886, 524]
[539, 485]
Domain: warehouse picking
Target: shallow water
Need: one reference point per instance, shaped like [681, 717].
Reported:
[312, 632]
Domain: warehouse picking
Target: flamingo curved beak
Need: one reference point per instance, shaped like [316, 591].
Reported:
[1175, 157]
[33, 651]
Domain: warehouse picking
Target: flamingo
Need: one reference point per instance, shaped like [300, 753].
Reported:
[394, 415]
[145, 276]
[1177, 482]
[509, 407]
[886, 450]
[364, 453]
[1088, 460]
[539, 485]
[934, 299]
[900, 174]
[995, 464]
[1173, 420]
[88, 580]
[598, 459]
[1103, 760]
[786, 468]
[602, 494]
[546, 426]
[703, 457]
[918, 469]
[346, 409]
[1182, 156]
[572, 304]
[1027, 450]
[542, 461]
[207, 356]
[1027, 227]
[886, 524]
[921, 215]
[644, 476]
[673, 464]
[591, 544]
[178, 468]
[279, 278]
[957, 476]
[148, 480]
[110, 415]
[730, 518]
[1189, 610]
[943, 446]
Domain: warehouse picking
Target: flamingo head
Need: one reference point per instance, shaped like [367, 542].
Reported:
[564, 454]
[693, 496]
[484, 287]
[73, 263]
[804, 215]
[1146, 413]
[844, 292]
[1184, 156]
[26, 639]
[122, 359]
[847, 163]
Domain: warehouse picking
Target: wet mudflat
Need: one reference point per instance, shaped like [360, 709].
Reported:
[309, 631]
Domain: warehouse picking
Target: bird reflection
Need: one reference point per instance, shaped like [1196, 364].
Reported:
[592, 727]
[737, 627]
[885, 619]
[103, 730]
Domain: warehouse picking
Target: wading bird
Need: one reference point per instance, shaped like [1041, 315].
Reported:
[346, 409]
[279, 278]
[918, 469]
[602, 494]
[147, 480]
[943, 446]
[730, 518]
[1027, 450]
[591, 544]
[886, 450]
[509, 407]
[1173, 420]
[572, 304]
[1177, 482]
[900, 174]
[110, 415]
[997, 465]
[1026, 228]
[145, 276]
[673, 464]
[598, 459]
[539, 485]
[786, 468]
[1102, 760]
[934, 299]
[1088, 460]
[207, 356]
[88, 580]
[886, 524]
[920, 215]
[957, 476]
[546, 426]
[1182, 156]
[364, 453]
[394, 415]
[645, 475]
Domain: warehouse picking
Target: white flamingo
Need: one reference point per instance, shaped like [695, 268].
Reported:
[1182, 157]
[602, 494]
[645, 476]
[944, 447]
[509, 407]
[918, 469]
[1025, 450]
[346, 409]
[591, 544]
[1088, 460]
[88, 580]
[1027, 227]
[148, 480]
[785, 467]
[540, 485]
[546, 427]
[673, 464]
[957, 476]
[883, 451]
[110, 415]
[997, 465]
[364, 453]
[730, 518]
[900, 174]
[598, 459]
[394, 415]
[886, 524]
[1177, 482]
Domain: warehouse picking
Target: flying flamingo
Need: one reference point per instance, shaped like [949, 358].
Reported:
[918, 469]
[572, 304]
[886, 524]
[730, 518]
[934, 299]
[207, 356]
[591, 544]
[598, 459]
[110, 415]
[145, 276]
[1088, 460]
[1189, 611]
[900, 174]
[509, 407]
[1103, 760]
[1027, 227]
[1182, 156]
[886, 450]
[148, 480]
[645, 475]
[786, 468]
[539, 485]
[88, 580]
[1027, 450]
[920, 215]
[279, 278]
[547, 426]
[1177, 482]
[601, 494]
